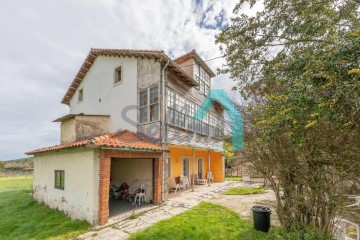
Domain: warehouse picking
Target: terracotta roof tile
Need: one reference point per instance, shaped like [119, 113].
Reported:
[195, 55]
[121, 140]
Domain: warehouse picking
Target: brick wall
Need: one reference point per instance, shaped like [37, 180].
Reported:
[104, 177]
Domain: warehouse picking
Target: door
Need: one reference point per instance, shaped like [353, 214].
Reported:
[200, 168]
[186, 166]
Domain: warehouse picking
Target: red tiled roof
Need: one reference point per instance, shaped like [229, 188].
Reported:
[95, 52]
[119, 140]
[197, 57]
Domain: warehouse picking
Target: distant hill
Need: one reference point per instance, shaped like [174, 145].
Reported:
[19, 163]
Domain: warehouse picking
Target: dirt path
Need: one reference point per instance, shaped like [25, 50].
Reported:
[242, 203]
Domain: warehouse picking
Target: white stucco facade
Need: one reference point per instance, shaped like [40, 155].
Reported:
[101, 96]
[79, 198]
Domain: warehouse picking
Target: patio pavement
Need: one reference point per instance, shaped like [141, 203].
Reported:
[121, 227]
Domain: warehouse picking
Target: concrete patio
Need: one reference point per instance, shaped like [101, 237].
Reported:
[121, 226]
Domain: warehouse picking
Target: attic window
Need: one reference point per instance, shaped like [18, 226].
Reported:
[117, 76]
[81, 95]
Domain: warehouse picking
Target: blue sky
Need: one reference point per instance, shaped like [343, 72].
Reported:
[43, 44]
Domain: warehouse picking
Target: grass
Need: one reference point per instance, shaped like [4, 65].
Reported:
[238, 179]
[244, 191]
[205, 221]
[21, 217]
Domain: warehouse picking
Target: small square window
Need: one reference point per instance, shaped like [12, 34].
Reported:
[81, 95]
[60, 179]
[117, 75]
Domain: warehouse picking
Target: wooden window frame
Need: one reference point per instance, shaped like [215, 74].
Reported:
[62, 179]
[148, 105]
[81, 95]
[116, 76]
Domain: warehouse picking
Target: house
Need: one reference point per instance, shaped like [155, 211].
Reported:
[130, 120]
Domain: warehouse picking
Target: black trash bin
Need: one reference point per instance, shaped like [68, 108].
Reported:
[261, 217]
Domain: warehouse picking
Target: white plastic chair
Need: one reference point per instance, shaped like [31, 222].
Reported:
[141, 196]
[210, 177]
[184, 181]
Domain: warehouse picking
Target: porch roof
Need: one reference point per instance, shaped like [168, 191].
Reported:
[123, 140]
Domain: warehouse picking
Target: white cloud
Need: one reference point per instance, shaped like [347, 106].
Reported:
[43, 44]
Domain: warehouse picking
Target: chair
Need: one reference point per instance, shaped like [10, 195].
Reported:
[184, 181]
[141, 196]
[172, 184]
[210, 177]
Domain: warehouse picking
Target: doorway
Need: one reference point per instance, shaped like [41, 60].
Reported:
[185, 167]
[200, 168]
[126, 177]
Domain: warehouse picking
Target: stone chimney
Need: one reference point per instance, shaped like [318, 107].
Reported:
[76, 127]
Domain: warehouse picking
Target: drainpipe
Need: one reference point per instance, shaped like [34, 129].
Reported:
[163, 124]
[193, 176]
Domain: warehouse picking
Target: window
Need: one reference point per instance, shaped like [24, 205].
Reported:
[143, 106]
[202, 78]
[154, 104]
[60, 179]
[81, 95]
[181, 113]
[117, 76]
[171, 99]
[149, 105]
[197, 73]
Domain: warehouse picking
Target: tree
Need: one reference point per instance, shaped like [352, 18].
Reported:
[298, 64]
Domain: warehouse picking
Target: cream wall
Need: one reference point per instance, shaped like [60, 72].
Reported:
[134, 172]
[68, 131]
[79, 199]
[99, 84]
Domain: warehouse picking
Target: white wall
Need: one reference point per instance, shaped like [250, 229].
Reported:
[79, 199]
[99, 84]
[134, 172]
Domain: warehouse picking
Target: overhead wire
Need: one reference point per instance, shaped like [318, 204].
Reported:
[208, 60]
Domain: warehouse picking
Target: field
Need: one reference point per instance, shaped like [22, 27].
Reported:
[23, 218]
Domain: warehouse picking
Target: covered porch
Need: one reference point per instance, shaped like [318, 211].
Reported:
[195, 164]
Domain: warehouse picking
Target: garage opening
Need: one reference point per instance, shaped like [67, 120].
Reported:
[130, 180]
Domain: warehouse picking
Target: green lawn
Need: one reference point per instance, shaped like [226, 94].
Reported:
[238, 179]
[205, 221]
[244, 191]
[23, 218]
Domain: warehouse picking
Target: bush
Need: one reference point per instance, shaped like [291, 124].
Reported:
[298, 233]
[2, 164]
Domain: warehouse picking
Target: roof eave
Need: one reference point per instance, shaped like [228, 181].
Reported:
[132, 149]
[94, 53]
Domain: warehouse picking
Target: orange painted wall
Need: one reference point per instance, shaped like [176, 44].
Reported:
[216, 164]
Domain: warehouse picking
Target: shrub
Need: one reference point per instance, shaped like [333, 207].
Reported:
[2, 164]
[298, 233]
